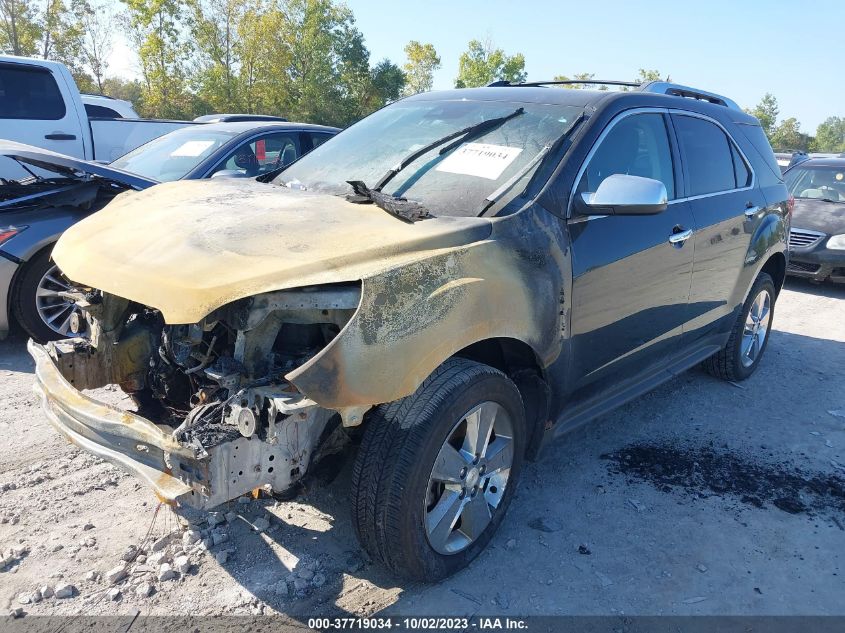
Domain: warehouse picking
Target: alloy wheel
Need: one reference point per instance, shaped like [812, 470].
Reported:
[756, 328]
[55, 310]
[469, 478]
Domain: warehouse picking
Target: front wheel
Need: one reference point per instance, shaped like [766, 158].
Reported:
[437, 470]
[749, 336]
[39, 305]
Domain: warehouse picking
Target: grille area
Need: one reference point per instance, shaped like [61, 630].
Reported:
[803, 238]
[801, 267]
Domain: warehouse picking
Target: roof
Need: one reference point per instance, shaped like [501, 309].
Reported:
[648, 95]
[834, 162]
[239, 127]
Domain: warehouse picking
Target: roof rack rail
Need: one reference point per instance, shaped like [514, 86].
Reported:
[556, 82]
[677, 90]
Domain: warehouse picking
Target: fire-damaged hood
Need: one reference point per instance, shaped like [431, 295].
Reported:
[69, 166]
[189, 247]
[818, 215]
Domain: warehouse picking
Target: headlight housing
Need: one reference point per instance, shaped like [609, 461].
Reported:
[837, 242]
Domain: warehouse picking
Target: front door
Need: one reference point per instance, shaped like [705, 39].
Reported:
[630, 283]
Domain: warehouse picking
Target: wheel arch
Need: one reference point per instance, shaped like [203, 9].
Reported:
[519, 362]
[775, 266]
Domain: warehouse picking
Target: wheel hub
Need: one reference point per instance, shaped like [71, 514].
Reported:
[469, 478]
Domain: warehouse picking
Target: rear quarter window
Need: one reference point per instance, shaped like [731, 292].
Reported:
[757, 137]
[29, 93]
[100, 112]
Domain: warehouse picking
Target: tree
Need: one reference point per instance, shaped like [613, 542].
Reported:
[155, 27]
[830, 135]
[214, 28]
[766, 113]
[20, 29]
[422, 61]
[482, 64]
[788, 136]
[578, 77]
[645, 76]
[96, 45]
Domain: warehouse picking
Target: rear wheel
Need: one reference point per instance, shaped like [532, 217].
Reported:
[437, 470]
[38, 305]
[749, 336]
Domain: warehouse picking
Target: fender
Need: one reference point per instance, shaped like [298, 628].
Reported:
[413, 317]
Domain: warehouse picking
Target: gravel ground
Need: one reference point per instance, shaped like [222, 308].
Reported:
[703, 497]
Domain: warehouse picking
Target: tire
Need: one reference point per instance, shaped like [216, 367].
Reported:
[732, 362]
[396, 493]
[25, 306]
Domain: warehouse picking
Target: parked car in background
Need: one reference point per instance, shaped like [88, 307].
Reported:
[103, 107]
[456, 278]
[817, 237]
[36, 210]
[243, 149]
[789, 159]
[40, 105]
[236, 118]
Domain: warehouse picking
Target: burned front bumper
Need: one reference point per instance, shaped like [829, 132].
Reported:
[198, 476]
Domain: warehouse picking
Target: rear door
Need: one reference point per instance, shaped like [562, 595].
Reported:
[630, 283]
[727, 208]
[35, 109]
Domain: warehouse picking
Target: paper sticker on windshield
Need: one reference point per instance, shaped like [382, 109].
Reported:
[192, 148]
[480, 159]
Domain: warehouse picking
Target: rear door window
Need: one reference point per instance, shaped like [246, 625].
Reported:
[707, 154]
[264, 154]
[637, 145]
[29, 93]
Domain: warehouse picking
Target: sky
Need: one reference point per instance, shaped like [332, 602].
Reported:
[739, 48]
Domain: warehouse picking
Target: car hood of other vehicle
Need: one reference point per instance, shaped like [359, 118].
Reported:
[70, 167]
[189, 247]
[818, 215]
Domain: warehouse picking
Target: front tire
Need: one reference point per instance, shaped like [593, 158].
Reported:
[437, 470]
[749, 336]
[38, 305]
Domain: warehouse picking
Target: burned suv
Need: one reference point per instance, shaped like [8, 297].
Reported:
[449, 283]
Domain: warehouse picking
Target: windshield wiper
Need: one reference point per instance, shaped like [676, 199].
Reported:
[497, 195]
[401, 208]
[468, 132]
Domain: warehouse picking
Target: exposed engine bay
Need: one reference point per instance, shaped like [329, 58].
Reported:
[217, 388]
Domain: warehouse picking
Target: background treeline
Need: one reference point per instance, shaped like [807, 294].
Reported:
[302, 59]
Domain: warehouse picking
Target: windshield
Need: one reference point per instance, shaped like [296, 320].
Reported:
[453, 183]
[817, 182]
[173, 155]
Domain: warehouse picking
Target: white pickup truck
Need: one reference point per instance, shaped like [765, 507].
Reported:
[40, 105]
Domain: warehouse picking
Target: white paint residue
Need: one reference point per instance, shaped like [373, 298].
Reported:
[480, 159]
[192, 148]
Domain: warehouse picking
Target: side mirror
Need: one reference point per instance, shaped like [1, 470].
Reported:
[621, 194]
[229, 173]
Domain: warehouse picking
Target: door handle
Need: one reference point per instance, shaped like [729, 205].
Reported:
[60, 136]
[750, 212]
[680, 237]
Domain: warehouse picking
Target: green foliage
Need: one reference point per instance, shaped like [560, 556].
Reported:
[482, 64]
[766, 113]
[579, 77]
[20, 27]
[788, 136]
[155, 28]
[830, 136]
[422, 61]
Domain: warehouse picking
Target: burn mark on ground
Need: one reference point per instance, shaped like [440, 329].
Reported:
[703, 472]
